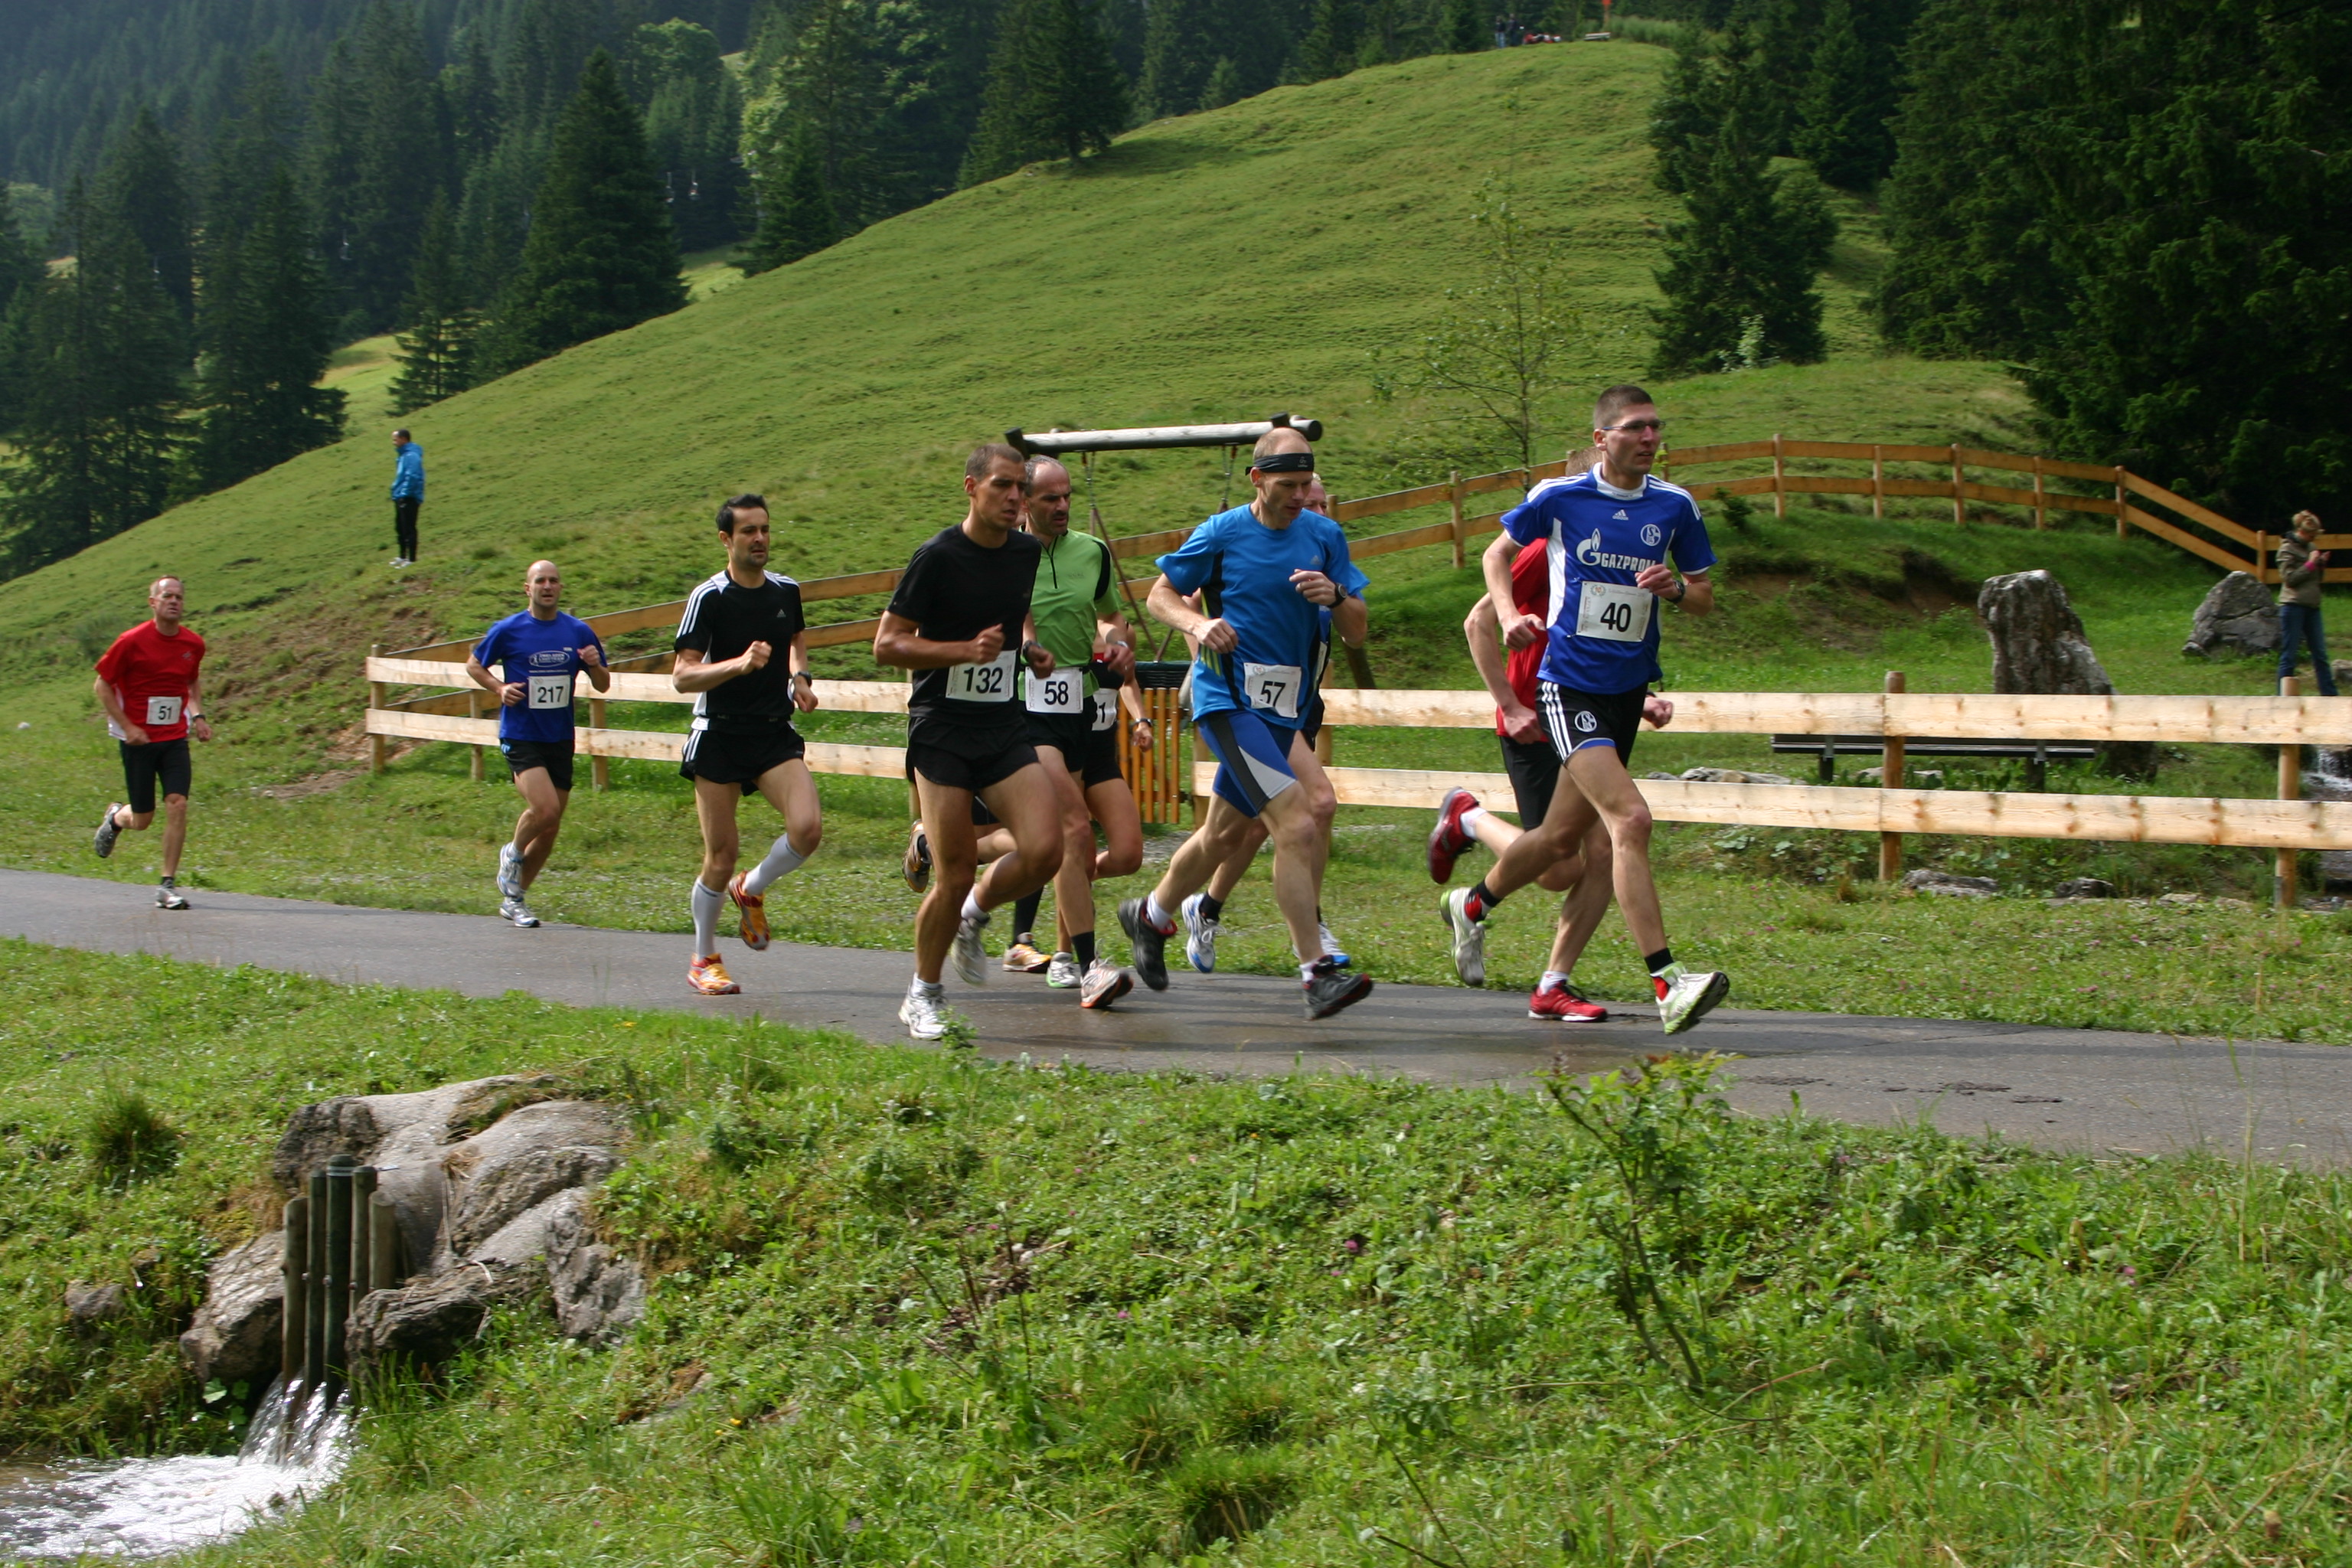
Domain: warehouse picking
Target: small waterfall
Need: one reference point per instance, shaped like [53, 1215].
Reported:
[148, 1508]
[2330, 778]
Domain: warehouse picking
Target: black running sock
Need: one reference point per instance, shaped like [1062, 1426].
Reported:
[1210, 908]
[1657, 962]
[1082, 945]
[1025, 915]
[1483, 899]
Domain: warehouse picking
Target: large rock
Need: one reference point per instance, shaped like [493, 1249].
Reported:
[87, 1306]
[235, 1336]
[2239, 615]
[1943, 884]
[2038, 647]
[598, 1296]
[425, 1322]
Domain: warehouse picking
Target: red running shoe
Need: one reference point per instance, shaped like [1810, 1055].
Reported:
[1564, 1004]
[1447, 840]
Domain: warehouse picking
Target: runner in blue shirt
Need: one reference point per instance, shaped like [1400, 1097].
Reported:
[1610, 534]
[1265, 573]
[543, 651]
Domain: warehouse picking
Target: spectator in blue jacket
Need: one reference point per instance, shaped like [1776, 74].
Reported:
[408, 496]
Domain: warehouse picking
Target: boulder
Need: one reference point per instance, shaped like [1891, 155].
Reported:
[1733, 775]
[2239, 615]
[598, 1296]
[1913, 778]
[87, 1306]
[502, 1191]
[2084, 888]
[1945, 885]
[425, 1322]
[235, 1336]
[2038, 649]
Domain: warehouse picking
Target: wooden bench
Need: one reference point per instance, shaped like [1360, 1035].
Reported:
[2036, 754]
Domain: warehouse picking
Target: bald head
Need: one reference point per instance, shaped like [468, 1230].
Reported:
[1282, 471]
[1276, 442]
[167, 600]
[544, 584]
[1047, 509]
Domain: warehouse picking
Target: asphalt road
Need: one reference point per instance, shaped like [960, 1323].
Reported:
[2065, 1089]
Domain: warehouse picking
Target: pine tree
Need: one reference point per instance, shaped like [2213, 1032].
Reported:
[796, 215]
[268, 334]
[546, 50]
[1333, 39]
[21, 272]
[337, 125]
[694, 123]
[826, 69]
[1223, 86]
[1181, 48]
[1467, 27]
[601, 254]
[99, 369]
[1689, 108]
[1841, 119]
[20, 260]
[143, 188]
[403, 162]
[469, 86]
[1053, 89]
[436, 351]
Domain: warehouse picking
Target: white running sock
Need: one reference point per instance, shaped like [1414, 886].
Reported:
[1307, 971]
[933, 989]
[1159, 917]
[971, 910]
[782, 859]
[707, 904]
[1470, 821]
[1552, 977]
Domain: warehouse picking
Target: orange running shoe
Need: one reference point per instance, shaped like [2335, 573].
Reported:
[709, 976]
[751, 912]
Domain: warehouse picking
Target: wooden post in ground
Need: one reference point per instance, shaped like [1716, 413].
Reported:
[1959, 515]
[2041, 504]
[1878, 483]
[375, 699]
[600, 771]
[2290, 788]
[474, 769]
[2262, 556]
[1461, 530]
[2123, 527]
[1890, 776]
[1779, 473]
[293, 1277]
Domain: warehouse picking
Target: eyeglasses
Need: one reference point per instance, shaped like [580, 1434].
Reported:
[1655, 427]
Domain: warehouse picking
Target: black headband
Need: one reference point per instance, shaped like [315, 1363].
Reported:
[1285, 463]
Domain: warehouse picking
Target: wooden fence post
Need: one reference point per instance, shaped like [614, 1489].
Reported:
[2041, 508]
[2290, 787]
[1959, 515]
[1780, 473]
[2263, 559]
[474, 710]
[1890, 776]
[1878, 483]
[375, 699]
[600, 771]
[2123, 527]
[1461, 530]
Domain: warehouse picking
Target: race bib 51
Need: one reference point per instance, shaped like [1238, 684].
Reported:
[163, 711]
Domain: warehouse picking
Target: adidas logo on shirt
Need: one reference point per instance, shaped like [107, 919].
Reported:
[1619, 516]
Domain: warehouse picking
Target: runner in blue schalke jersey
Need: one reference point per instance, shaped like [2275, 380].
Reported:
[956, 619]
[1620, 544]
[1265, 573]
[742, 648]
[541, 652]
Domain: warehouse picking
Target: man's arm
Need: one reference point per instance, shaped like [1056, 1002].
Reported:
[2297, 572]
[804, 684]
[901, 643]
[592, 659]
[1167, 606]
[1518, 630]
[111, 701]
[198, 725]
[1350, 620]
[1117, 640]
[506, 692]
[689, 673]
[1520, 723]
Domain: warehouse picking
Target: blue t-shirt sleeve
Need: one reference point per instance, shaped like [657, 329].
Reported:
[1188, 565]
[1341, 568]
[1525, 522]
[1692, 552]
[492, 648]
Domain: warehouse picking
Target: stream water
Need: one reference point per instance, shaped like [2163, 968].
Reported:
[2330, 778]
[147, 1508]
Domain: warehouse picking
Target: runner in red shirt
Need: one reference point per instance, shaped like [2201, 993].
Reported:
[1534, 769]
[148, 683]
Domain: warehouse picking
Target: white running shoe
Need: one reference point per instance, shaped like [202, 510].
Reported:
[924, 1015]
[169, 897]
[970, 956]
[1106, 983]
[1469, 937]
[515, 912]
[1199, 936]
[1063, 973]
[109, 830]
[509, 872]
[1686, 995]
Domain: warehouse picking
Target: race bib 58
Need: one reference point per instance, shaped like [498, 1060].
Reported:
[1064, 691]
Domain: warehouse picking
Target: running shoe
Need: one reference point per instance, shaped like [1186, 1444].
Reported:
[1469, 937]
[1106, 983]
[1563, 1003]
[509, 872]
[1199, 936]
[970, 955]
[1686, 995]
[108, 832]
[750, 914]
[1333, 986]
[1023, 959]
[916, 866]
[1064, 973]
[1448, 839]
[1331, 948]
[169, 897]
[924, 1015]
[515, 912]
[1147, 942]
[709, 976]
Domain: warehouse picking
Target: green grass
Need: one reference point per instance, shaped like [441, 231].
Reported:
[915, 1309]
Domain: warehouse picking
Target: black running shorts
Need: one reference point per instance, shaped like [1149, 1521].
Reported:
[1534, 768]
[1089, 753]
[554, 756]
[1575, 720]
[740, 759]
[1101, 754]
[158, 762]
[963, 757]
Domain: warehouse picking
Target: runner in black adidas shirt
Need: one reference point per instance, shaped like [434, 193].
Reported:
[742, 645]
[956, 621]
